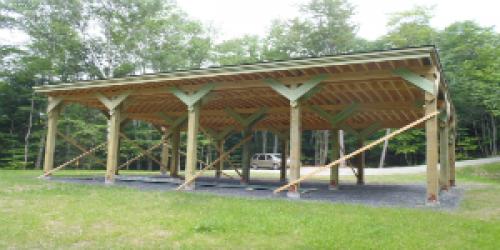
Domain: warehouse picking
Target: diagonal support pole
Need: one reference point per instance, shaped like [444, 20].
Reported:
[73, 160]
[146, 153]
[77, 145]
[218, 137]
[226, 154]
[357, 152]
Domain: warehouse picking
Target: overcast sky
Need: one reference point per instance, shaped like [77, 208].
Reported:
[234, 18]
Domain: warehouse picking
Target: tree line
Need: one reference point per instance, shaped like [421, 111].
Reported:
[77, 40]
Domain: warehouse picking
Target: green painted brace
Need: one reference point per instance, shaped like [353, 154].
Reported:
[365, 133]
[416, 80]
[250, 120]
[193, 99]
[293, 95]
[219, 135]
[336, 119]
[173, 122]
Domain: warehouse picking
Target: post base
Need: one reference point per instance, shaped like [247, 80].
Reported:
[190, 187]
[333, 187]
[432, 200]
[109, 181]
[43, 177]
[293, 195]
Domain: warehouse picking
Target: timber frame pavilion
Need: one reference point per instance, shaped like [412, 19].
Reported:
[359, 93]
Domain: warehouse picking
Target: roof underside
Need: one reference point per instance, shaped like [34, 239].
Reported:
[366, 79]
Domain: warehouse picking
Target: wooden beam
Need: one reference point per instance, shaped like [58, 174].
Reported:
[164, 155]
[334, 171]
[284, 157]
[113, 144]
[452, 142]
[360, 163]
[53, 113]
[444, 164]
[192, 144]
[415, 79]
[295, 149]
[174, 163]
[431, 133]
[358, 151]
[245, 157]
[294, 94]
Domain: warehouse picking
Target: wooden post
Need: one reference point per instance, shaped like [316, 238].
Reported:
[114, 106]
[360, 163]
[164, 156]
[334, 171]
[113, 144]
[295, 147]
[192, 143]
[174, 162]
[284, 156]
[117, 170]
[245, 158]
[451, 152]
[220, 166]
[53, 112]
[444, 166]
[431, 134]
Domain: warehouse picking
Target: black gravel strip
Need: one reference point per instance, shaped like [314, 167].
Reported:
[404, 195]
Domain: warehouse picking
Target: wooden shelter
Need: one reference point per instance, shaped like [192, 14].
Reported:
[359, 93]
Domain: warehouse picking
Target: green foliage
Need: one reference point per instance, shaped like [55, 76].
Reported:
[237, 51]
[409, 28]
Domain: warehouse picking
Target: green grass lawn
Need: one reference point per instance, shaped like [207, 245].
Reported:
[41, 214]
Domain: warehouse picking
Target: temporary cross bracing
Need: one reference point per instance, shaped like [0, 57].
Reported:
[359, 93]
